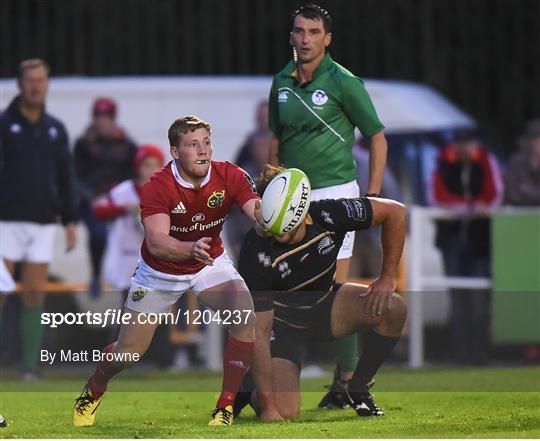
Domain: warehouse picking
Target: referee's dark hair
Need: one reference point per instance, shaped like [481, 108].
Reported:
[315, 12]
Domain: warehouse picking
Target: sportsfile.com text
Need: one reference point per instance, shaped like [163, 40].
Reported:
[113, 317]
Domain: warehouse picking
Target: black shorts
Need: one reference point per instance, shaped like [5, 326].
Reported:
[290, 343]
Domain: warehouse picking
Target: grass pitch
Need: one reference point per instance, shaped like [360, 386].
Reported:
[462, 403]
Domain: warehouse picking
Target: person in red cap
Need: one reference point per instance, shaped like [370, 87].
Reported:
[104, 106]
[104, 157]
[121, 206]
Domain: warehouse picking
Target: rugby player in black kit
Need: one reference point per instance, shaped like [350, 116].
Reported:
[291, 279]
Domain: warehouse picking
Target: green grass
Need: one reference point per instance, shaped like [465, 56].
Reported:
[462, 403]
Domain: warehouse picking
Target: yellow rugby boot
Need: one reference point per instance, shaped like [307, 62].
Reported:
[84, 411]
[222, 416]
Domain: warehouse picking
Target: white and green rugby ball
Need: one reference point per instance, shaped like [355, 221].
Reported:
[285, 201]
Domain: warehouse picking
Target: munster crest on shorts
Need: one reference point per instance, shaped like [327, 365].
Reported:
[216, 199]
[138, 294]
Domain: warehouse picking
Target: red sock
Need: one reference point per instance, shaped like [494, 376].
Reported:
[105, 370]
[236, 362]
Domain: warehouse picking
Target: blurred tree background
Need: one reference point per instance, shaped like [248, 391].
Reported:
[483, 54]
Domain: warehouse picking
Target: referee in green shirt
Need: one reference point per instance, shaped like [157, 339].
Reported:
[314, 106]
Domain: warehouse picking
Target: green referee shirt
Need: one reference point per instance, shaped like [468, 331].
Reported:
[315, 122]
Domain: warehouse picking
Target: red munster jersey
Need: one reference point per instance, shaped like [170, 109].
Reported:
[194, 212]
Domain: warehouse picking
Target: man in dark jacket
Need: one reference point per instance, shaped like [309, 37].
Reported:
[523, 184]
[36, 177]
[467, 181]
[104, 157]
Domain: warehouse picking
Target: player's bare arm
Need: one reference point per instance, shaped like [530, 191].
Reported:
[262, 366]
[251, 209]
[378, 149]
[273, 158]
[163, 246]
[393, 217]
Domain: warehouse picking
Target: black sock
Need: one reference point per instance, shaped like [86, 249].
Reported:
[376, 350]
[248, 383]
[243, 397]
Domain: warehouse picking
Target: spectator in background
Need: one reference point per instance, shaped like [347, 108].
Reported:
[468, 181]
[36, 177]
[261, 126]
[523, 184]
[121, 205]
[369, 249]
[103, 158]
[255, 158]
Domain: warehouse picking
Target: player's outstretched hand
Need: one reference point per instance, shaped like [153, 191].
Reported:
[257, 212]
[379, 295]
[199, 251]
[259, 227]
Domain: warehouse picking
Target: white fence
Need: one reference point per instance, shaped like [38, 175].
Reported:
[418, 281]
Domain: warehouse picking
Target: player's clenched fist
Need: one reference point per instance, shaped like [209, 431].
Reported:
[199, 251]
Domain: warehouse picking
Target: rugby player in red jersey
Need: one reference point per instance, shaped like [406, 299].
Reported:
[183, 208]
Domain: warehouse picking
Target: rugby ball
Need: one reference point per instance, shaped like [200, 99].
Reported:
[285, 201]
